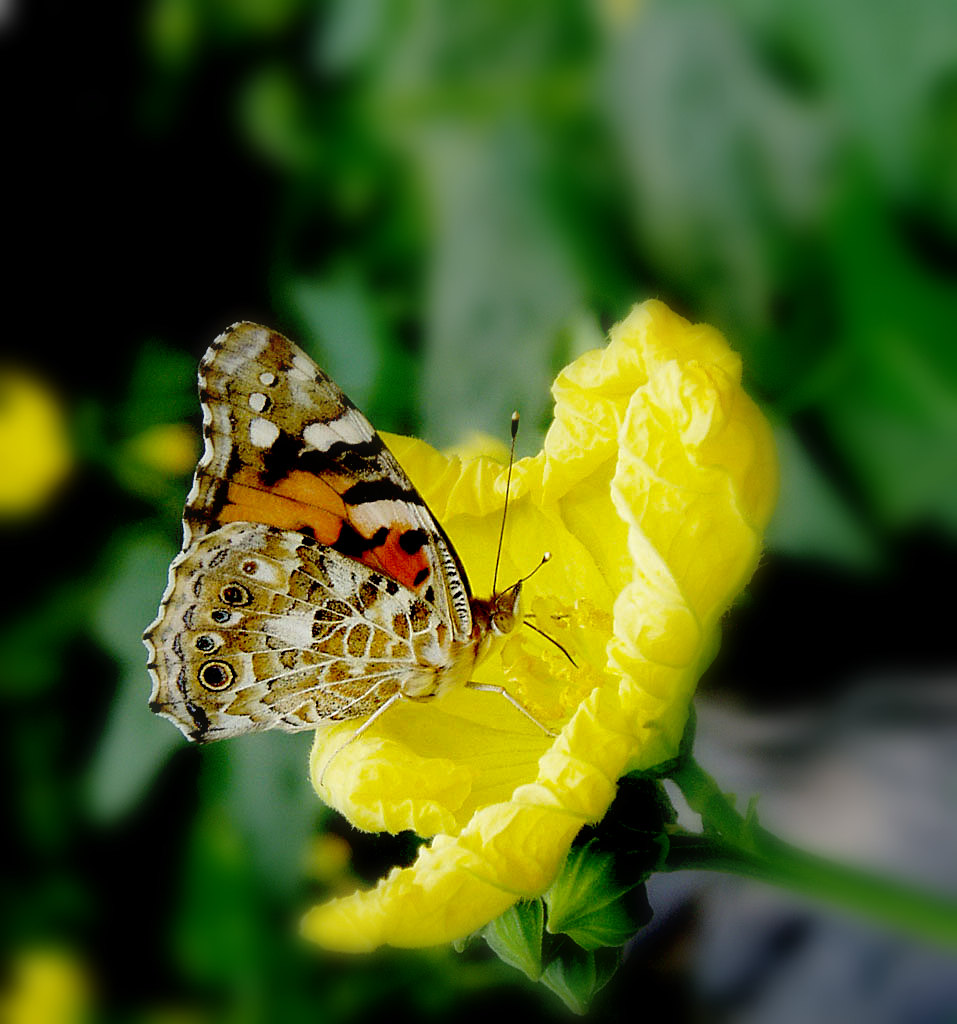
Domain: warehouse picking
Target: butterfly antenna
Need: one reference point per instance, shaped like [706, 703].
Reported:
[551, 640]
[508, 485]
[547, 557]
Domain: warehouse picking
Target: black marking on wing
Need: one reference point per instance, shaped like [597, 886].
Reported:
[201, 719]
[218, 558]
[280, 458]
[352, 544]
[383, 489]
[412, 541]
[360, 459]
[364, 461]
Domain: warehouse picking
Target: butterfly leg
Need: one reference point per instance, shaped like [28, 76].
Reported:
[362, 728]
[495, 688]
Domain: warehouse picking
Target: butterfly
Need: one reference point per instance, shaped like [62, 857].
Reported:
[313, 584]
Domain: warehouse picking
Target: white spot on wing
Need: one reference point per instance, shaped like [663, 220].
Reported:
[318, 436]
[295, 630]
[257, 401]
[302, 368]
[370, 515]
[348, 428]
[262, 433]
[267, 379]
[241, 344]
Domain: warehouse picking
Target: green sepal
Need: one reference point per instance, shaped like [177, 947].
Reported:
[516, 937]
[591, 902]
[636, 826]
[576, 975]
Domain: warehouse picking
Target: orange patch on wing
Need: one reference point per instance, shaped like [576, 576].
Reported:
[399, 564]
[295, 501]
[303, 500]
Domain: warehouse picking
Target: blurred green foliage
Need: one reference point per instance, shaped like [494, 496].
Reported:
[444, 201]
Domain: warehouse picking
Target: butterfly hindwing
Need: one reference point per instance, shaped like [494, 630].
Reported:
[265, 628]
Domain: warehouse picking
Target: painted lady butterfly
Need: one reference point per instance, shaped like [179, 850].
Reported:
[313, 584]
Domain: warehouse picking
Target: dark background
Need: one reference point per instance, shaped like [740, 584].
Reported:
[445, 202]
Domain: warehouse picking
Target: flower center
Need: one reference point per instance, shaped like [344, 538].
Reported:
[540, 670]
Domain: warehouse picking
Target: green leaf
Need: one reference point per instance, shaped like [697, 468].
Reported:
[696, 114]
[352, 29]
[811, 519]
[217, 923]
[576, 975]
[589, 901]
[516, 937]
[271, 804]
[340, 312]
[502, 286]
[135, 743]
[276, 121]
[894, 414]
[33, 654]
[162, 389]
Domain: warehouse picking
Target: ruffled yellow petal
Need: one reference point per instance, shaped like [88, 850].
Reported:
[655, 482]
[695, 483]
[428, 768]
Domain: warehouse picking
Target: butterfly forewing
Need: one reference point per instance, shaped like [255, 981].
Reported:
[285, 446]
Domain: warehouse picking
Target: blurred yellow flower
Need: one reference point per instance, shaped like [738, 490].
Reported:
[656, 481]
[34, 451]
[328, 859]
[46, 986]
[476, 445]
[168, 448]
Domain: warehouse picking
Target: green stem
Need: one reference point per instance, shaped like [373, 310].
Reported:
[718, 813]
[735, 844]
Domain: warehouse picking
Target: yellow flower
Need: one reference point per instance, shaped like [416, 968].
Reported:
[46, 986]
[328, 858]
[656, 481]
[34, 451]
[167, 448]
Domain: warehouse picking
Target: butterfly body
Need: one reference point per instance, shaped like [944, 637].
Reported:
[314, 584]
